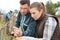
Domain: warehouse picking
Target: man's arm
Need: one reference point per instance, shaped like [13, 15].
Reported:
[30, 29]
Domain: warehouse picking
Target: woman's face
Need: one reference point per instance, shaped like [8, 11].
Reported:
[35, 13]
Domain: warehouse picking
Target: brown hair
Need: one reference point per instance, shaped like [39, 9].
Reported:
[38, 5]
[22, 2]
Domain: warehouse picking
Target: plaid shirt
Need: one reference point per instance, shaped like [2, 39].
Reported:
[50, 26]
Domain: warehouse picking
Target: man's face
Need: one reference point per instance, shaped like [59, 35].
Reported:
[24, 9]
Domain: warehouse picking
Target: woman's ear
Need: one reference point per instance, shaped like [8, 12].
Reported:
[41, 11]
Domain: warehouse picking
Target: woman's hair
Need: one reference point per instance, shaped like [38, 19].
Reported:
[38, 5]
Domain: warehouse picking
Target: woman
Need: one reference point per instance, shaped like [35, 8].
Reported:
[47, 25]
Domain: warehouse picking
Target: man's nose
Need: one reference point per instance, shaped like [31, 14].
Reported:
[22, 10]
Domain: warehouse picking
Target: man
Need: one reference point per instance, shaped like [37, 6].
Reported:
[24, 21]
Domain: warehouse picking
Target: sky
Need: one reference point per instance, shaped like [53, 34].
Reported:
[14, 4]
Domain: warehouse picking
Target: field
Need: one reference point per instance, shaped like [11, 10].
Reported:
[4, 36]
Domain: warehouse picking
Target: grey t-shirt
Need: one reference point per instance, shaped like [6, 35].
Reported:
[22, 22]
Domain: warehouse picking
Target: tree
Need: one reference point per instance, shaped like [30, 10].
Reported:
[57, 4]
[50, 8]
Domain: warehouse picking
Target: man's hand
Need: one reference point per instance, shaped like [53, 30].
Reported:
[17, 32]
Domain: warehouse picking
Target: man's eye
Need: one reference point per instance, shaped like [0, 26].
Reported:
[25, 8]
[20, 8]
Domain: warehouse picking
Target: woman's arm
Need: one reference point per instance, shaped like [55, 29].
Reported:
[49, 28]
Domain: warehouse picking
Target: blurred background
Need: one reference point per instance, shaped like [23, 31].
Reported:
[52, 7]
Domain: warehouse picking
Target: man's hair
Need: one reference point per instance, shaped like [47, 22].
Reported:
[22, 2]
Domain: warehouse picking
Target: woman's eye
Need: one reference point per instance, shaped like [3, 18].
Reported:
[33, 12]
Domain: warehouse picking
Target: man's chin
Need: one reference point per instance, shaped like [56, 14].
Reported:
[23, 14]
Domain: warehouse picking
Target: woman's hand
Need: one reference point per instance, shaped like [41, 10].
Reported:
[22, 38]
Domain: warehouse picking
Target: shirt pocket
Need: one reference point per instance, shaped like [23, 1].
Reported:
[25, 26]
